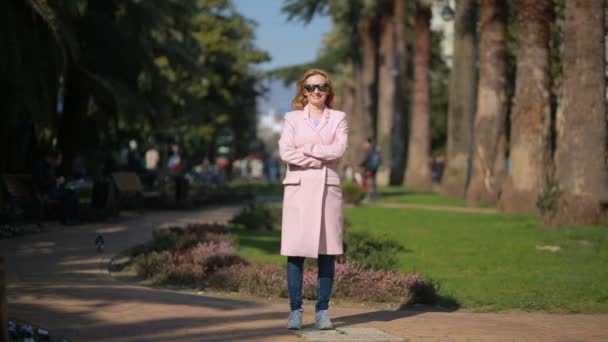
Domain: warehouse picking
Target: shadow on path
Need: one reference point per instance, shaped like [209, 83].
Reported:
[57, 280]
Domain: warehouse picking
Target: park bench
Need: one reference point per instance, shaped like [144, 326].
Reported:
[20, 194]
[130, 188]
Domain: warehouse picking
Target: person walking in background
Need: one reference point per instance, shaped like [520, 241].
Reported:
[149, 173]
[152, 158]
[313, 141]
[174, 163]
[370, 166]
[134, 158]
[176, 166]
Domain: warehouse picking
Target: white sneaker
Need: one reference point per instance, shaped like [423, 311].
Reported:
[294, 322]
[322, 321]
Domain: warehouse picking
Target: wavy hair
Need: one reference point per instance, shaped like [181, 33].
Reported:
[301, 100]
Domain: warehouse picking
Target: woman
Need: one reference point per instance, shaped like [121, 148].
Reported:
[314, 139]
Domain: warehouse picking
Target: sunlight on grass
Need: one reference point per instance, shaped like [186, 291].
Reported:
[260, 247]
[397, 194]
[486, 262]
[492, 262]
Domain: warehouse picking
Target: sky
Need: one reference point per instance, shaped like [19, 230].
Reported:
[288, 43]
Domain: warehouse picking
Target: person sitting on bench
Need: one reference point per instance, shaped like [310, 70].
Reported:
[47, 184]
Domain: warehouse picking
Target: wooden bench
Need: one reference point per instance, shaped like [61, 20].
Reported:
[129, 187]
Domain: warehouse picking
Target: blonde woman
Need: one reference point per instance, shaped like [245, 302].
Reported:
[314, 139]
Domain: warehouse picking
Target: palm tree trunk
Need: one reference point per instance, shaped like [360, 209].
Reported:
[400, 126]
[386, 89]
[580, 158]
[362, 123]
[462, 100]
[489, 135]
[349, 102]
[418, 174]
[530, 145]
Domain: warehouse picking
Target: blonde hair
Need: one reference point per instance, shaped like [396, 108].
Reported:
[301, 100]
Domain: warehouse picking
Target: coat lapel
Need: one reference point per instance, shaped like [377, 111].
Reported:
[322, 123]
[324, 119]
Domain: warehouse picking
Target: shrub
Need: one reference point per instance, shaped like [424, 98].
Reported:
[258, 217]
[179, 238]
[204, 250]
[372, 252]
[219, 261]
[184, 274]
[211, 262]
[164, 239]
[351, 282]
[267, 280]
[352, 193]
[153, 264]
[228, 279]
[185, 256]
[549, 199]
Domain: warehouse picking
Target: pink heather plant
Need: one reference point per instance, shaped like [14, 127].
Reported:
[203, 250]
[350, 282]
[207, 257]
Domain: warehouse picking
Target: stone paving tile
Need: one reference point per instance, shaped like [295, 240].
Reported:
[348, 335]
[58, 281]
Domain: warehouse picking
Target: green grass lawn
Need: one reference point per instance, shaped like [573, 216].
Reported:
[484, 262]
[395, 194]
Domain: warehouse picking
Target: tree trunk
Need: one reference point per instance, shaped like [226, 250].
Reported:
[418, 174]
[400, 127]
[489, 135]
[70, 121]
[461, 107]
[530, 145]
[386, 88]
[580, 159]
[362, 122]
[349, 103]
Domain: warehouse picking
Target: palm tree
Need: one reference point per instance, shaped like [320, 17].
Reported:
[386, 89]
[367, 83]
[580, 158]
[462, 100]
[400, 122]
[418, 173]
[530, 144]
[489, 137]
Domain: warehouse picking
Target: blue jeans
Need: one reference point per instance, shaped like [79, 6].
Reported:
[295, 274]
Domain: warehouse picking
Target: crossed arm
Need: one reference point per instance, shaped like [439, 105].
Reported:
[289, 152]
[312, 155]
[332, 151]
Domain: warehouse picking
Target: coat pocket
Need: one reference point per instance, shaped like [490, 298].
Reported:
[291, 180]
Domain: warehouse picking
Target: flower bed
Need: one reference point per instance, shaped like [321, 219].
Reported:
[205, 257]
[351, 282]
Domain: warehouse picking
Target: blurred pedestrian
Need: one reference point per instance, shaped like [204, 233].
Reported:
[370, 165]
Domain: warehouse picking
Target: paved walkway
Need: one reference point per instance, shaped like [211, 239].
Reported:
[58, 281]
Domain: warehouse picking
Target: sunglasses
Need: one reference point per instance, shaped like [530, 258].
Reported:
[322, 87]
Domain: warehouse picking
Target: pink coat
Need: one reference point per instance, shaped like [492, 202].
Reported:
[312, 201]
